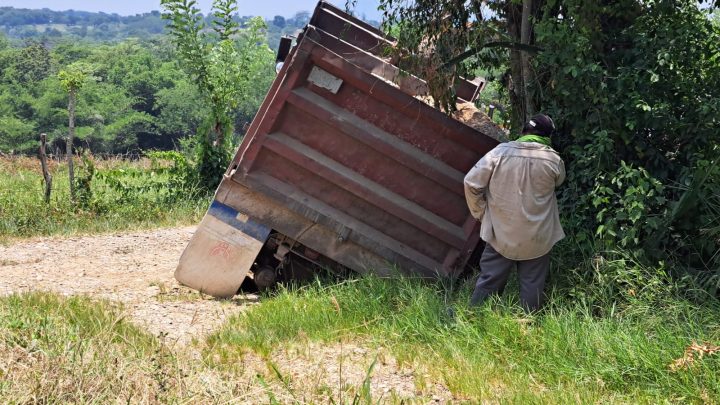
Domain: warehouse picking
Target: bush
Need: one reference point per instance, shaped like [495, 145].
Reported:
[641, 147]
[114, 195]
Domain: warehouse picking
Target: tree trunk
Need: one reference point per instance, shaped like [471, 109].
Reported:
[46, 172]
[527, 72]
[519, 28]
[515, 84]
[219, 135]
[71, 136]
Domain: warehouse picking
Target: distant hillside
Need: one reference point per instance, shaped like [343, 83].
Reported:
[47, 25]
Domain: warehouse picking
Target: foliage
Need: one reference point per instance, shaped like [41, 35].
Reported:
[13, 133]
[139, 97]
[116, 195]
[442, 41]
[430, 34]
[631, 207]
[636, 147]
[633, 87]
[172, 179]
[230, 67]
[117, 110]
[74, 77]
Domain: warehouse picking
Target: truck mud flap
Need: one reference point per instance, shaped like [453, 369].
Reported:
[221, 252]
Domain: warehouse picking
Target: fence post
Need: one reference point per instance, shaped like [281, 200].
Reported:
[46, 172]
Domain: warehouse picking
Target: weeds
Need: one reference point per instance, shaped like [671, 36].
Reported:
[569, 353]
[112, 195]
[54, 350]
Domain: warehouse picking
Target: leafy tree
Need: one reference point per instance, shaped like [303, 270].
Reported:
[28, 65]
[634, 87]
[72, 79]
[181, 110]
[225, 63]
[67, 52]
[15, 134]
[279, 21]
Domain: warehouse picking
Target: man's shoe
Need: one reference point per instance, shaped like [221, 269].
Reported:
[478, 297]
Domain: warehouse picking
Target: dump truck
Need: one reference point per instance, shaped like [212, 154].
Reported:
[344, 166]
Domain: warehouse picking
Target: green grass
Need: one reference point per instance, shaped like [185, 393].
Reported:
[24, 213]
[56, 350]
[563, 355]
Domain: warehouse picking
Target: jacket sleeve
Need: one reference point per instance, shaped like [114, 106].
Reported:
[476, 183]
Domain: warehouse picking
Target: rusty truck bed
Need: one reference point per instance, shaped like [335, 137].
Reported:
[343, 160]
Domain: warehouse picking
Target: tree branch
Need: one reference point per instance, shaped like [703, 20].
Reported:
[495, 44]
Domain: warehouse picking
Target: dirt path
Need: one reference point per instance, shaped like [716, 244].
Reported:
[133, 268]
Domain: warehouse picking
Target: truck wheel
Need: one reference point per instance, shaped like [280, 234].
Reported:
[265, 277]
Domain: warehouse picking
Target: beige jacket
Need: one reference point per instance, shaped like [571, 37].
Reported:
[512, 191]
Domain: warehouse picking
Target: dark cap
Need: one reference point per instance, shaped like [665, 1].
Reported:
[539, 124]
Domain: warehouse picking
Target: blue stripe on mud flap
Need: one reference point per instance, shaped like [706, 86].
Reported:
[239, 221]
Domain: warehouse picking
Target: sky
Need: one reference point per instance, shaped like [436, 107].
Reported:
[265, 8]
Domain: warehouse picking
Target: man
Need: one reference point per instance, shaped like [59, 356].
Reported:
[511, 190]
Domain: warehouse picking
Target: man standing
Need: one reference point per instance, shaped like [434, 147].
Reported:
[511, 190]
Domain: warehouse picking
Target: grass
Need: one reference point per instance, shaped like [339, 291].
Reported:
[497, 354]
[73, 349]
[24, 213]
[54, 349]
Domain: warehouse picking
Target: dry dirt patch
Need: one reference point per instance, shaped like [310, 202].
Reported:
[339, 370]
[135, 269]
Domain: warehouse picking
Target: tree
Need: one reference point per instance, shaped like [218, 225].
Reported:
[634, 88]
[279, 21]
[29, 64]
[72, 79]
[225, 62]
[15, 135]
[181, 110]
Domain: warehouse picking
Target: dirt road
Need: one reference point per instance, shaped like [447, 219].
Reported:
[133, 268]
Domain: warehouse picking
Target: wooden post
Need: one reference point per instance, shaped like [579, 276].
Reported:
[46, 172]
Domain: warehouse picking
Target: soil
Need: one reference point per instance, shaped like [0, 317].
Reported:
[471, 116]
[136, 269]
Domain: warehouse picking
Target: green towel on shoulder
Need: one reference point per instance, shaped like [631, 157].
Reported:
[535, 138]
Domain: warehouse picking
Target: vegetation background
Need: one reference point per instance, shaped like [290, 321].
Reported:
[139, 97]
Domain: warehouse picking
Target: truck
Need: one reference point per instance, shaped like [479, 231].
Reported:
[344, 166]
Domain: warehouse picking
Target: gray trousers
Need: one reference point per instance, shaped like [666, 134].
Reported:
[495, 270]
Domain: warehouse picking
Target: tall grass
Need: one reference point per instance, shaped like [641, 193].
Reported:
[56, 350]
[564, 355]
[118, 200]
